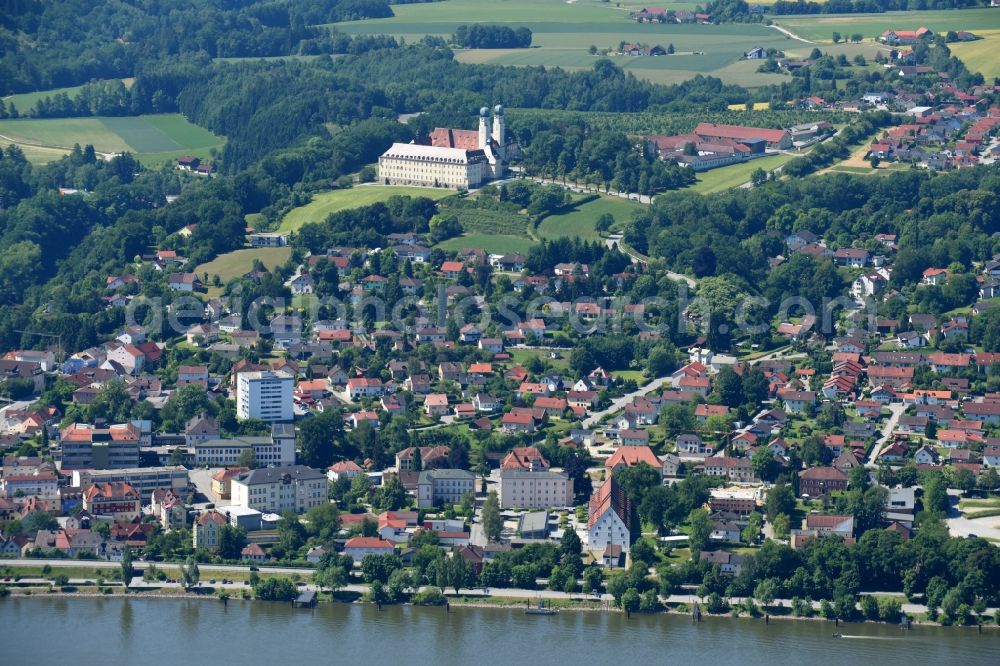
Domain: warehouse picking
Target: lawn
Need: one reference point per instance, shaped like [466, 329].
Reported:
[521, 356]
[982, 56]
[727, 177]
[152, 138]
[635, 375]
[494, 244]
[326, 203]
[238, 262]
[820, 27]
[580, 220]
[564, 31]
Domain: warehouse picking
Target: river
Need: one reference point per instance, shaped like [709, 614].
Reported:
[177, 631]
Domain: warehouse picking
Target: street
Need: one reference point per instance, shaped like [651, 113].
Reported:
[897, 410]
[619, 403]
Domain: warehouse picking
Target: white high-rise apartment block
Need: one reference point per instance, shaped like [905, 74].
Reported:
[264, 395]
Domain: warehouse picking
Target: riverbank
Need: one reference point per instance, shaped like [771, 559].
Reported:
[498, 602]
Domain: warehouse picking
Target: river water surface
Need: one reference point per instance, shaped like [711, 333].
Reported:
[169, 632]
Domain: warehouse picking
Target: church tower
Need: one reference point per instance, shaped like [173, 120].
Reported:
[498, 132]
[484, 114]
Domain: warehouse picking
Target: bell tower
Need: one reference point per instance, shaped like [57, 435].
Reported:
[484, 114]
[498, 131]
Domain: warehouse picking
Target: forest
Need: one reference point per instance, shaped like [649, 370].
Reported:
[74, 41]
[479, 36]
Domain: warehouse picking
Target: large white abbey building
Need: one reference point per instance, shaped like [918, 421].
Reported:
[455, 158]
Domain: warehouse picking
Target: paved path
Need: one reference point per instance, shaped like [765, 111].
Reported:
[616, 239]
[897, 410]
[791, 34]
[777, 355]
[619, 403]
[576, 187]
[960, 525]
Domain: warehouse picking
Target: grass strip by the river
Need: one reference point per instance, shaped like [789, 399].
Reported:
[458, 601]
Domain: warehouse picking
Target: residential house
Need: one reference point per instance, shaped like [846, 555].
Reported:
[358, 547]
[436, 404]
[820, 481]
[737, 470]
[207, 529]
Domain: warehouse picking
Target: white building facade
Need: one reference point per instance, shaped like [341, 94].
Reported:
[264, 395]
[278, 489]
[456, 159]
[526, 489]
[276, 450]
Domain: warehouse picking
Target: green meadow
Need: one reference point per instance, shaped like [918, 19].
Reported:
[981, 56]
[820, 27]
[326, 203]
[152, 138]
[734, 175]
[580, 220]
[239, 262]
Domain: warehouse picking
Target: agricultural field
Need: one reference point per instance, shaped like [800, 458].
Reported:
[563, 33]
[820, 27]
[734, 175]
[326, 203]
[153, 139]
[492, 243]
[238, 262]
[981, 56]
[580, 220]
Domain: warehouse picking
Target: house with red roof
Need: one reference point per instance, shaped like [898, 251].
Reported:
[525, 457]
[358, 547]
[630, 456]
[610, 518]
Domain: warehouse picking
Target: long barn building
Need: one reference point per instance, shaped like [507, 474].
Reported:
[777, 139]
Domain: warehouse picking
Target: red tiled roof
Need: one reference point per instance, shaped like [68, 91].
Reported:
[740, 132]
[368, 542]
[630, 456]
[444, 137]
